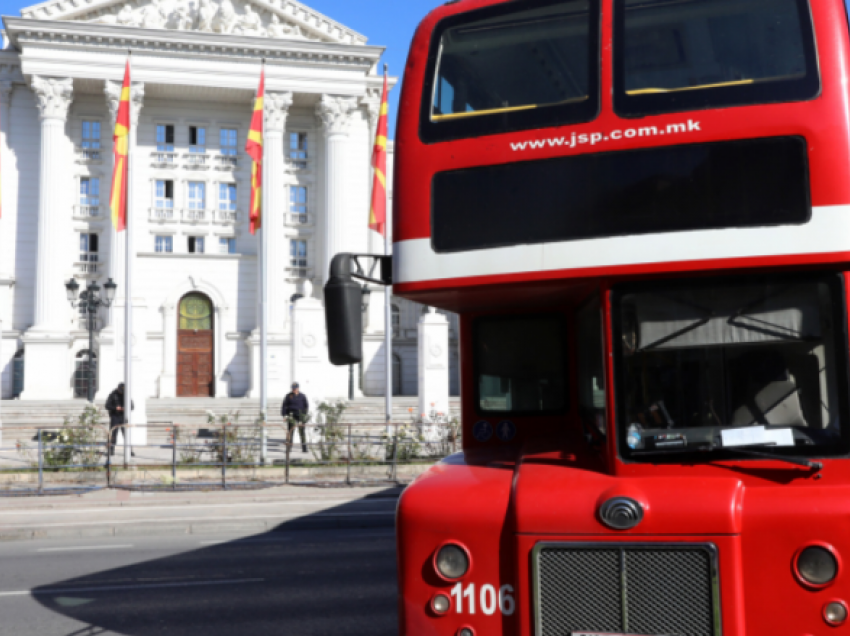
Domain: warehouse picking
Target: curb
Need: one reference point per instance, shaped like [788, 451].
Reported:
[338, 521]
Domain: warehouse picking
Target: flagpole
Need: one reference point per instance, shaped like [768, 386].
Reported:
[388, 315]
[128, 289]
[264, 295]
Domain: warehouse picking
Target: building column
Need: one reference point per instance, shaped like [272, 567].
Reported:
[5, 101]
[109, 369]
[48, 370]
[276, 107]
[335, 114]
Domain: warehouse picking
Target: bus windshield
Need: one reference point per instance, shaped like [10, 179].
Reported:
[676, 55]
[699, 363]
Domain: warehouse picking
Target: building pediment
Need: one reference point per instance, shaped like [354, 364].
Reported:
[276, 19]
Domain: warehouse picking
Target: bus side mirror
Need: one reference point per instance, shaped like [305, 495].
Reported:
[343, 313]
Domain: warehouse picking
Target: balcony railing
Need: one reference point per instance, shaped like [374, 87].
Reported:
[197, 160]
[195, 216]
[86, 212]
[89, 155]
[88, 264]
[226, 216]
[296, 219]
[297, 270]
[297, 164]
[226, 162]
[163, 159]
[162, 214]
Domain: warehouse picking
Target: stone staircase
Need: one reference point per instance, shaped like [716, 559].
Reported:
[22, 418]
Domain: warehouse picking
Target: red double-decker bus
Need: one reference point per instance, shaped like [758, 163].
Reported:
[641, 211]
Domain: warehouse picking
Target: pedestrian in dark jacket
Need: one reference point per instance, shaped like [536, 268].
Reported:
[294, 410]
[117, 418]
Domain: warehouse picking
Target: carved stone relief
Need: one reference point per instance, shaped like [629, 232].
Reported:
[210, 16]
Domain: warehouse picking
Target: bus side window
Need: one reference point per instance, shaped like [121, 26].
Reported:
[591, 367]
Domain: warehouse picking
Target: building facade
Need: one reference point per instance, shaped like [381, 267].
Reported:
[195, 69]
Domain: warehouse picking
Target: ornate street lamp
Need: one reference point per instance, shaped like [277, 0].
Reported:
[92, 299]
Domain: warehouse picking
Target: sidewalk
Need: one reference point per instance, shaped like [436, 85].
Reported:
[126, 513]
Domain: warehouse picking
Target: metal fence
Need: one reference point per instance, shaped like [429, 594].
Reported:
[69, 459]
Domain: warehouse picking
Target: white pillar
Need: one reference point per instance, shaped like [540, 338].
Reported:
[47, 342]
[5, 102]
[433, 365]
[276, 105]
[276, 113]
[335, 113]
[109, 370]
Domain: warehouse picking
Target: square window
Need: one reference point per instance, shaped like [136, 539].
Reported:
[197, 139]
[165, 138]
[298, 204]
[226, 245]
[228, 141]
[298, 149]
[227, 197]
[197, 195]
[164, 195]
[91, 135]
[196, 244]
[90, 191]
[164, 244]
[88, 246]
[298, 255]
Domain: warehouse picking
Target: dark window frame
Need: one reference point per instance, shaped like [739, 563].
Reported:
[838, 289]
[565, 352]
[544, 117]
[636, 106]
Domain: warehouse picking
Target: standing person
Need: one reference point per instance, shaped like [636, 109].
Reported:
[295, 408]
[117, 418]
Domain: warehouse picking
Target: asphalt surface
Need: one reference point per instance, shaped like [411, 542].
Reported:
[289, 581]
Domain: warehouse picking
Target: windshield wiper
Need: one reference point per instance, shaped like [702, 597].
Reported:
[740, 450]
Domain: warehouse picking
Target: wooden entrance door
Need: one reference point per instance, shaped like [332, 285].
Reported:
[195, 354]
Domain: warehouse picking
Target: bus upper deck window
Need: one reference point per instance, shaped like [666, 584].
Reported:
[512, 66]
[684, 55]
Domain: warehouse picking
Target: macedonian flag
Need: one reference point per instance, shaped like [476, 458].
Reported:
[254, 148]
[120, 145]
[378, 212]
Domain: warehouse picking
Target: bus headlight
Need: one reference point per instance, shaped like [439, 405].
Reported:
[452, 561]
[816, 565]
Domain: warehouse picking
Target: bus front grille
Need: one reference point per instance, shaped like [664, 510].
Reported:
[626, 589]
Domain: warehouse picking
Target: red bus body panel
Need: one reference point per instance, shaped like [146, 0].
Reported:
[501, 499]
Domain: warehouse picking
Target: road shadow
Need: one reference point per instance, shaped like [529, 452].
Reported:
[330, 573]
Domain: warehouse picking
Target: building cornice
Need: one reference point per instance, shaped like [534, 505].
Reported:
[306, 18]
[112, 38]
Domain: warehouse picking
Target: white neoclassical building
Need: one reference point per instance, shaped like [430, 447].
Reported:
[196, 66]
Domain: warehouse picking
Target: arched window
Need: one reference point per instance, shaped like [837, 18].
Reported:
[195, 313]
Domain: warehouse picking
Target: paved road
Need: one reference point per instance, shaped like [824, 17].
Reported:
[294, 583]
